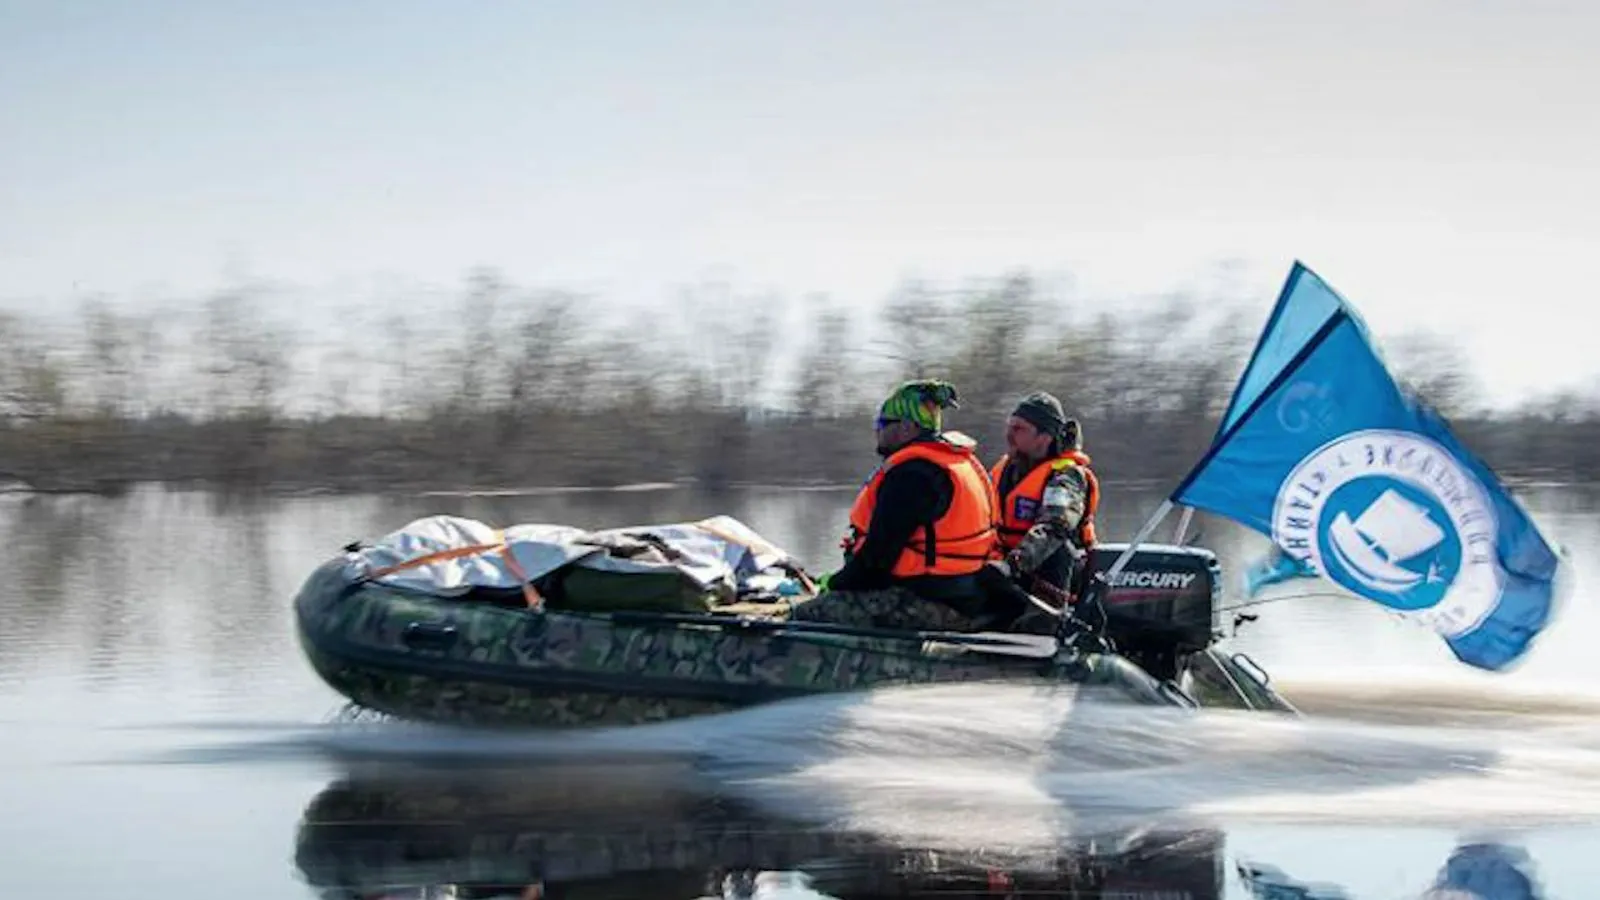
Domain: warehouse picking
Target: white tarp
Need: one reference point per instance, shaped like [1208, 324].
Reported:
[712, 551]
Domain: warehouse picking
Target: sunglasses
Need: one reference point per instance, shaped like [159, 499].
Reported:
[881, 423]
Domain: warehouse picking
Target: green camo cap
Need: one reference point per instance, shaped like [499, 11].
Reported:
[922, 402]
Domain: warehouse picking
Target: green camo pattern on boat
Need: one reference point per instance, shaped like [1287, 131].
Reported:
[474, 662]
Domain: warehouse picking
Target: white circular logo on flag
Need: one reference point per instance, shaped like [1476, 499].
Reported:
[1394, 517]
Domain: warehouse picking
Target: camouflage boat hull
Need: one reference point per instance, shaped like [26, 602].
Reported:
[419, 656]
[444, 660]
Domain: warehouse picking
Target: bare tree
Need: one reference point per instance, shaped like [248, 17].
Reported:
[535, 386]
[1436, 369]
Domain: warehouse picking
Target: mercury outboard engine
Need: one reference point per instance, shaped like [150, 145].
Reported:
[1162, 605]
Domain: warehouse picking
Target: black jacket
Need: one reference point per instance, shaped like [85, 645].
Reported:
[916, 493]
[913, 493]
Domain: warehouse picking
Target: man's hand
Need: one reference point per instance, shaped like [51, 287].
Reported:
[1096, 588]
[1089, 606]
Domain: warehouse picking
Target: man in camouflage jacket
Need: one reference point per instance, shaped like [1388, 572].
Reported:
[1048, 495]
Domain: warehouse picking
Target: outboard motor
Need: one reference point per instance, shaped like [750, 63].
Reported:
[1162, 605]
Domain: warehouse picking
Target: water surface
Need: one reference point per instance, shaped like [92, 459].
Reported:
[166, 740]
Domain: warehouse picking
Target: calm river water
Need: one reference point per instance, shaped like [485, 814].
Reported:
[165, 739]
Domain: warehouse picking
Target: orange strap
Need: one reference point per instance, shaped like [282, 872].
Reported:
[529, 592]
[430, 558]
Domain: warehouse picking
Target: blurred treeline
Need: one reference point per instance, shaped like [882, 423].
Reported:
[508, 387]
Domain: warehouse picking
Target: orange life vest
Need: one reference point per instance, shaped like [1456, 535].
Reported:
[963, 538]
[1020, 507]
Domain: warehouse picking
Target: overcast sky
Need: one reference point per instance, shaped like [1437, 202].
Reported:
[1436, 162]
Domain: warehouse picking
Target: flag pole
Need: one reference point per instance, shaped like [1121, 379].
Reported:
[1183, 525]
[1144, 532]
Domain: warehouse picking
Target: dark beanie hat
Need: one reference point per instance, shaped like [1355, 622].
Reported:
[1043, 412]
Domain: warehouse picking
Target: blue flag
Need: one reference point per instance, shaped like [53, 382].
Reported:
[1359, 481]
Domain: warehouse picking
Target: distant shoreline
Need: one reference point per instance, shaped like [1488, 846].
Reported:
[517, 392]
[17, 488]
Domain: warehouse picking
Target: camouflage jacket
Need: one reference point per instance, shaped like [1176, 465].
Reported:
[1061, 512]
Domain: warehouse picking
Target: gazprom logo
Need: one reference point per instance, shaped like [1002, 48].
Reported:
[1394, 517]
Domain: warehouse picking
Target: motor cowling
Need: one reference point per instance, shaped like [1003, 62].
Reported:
[1163, 604]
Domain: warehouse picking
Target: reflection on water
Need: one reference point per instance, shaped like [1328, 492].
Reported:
[917, 792]
[580, 831]
[155, 627]
[1473, 871]
[583, 831]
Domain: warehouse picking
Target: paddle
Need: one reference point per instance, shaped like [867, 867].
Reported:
[1039, 646]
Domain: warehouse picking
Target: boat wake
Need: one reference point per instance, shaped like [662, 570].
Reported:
[967, 765]
[943, 767]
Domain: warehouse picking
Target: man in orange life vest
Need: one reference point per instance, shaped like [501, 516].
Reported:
[1049, 496]
[930, 483]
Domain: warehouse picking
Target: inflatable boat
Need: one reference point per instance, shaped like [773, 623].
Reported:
[449, 620]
